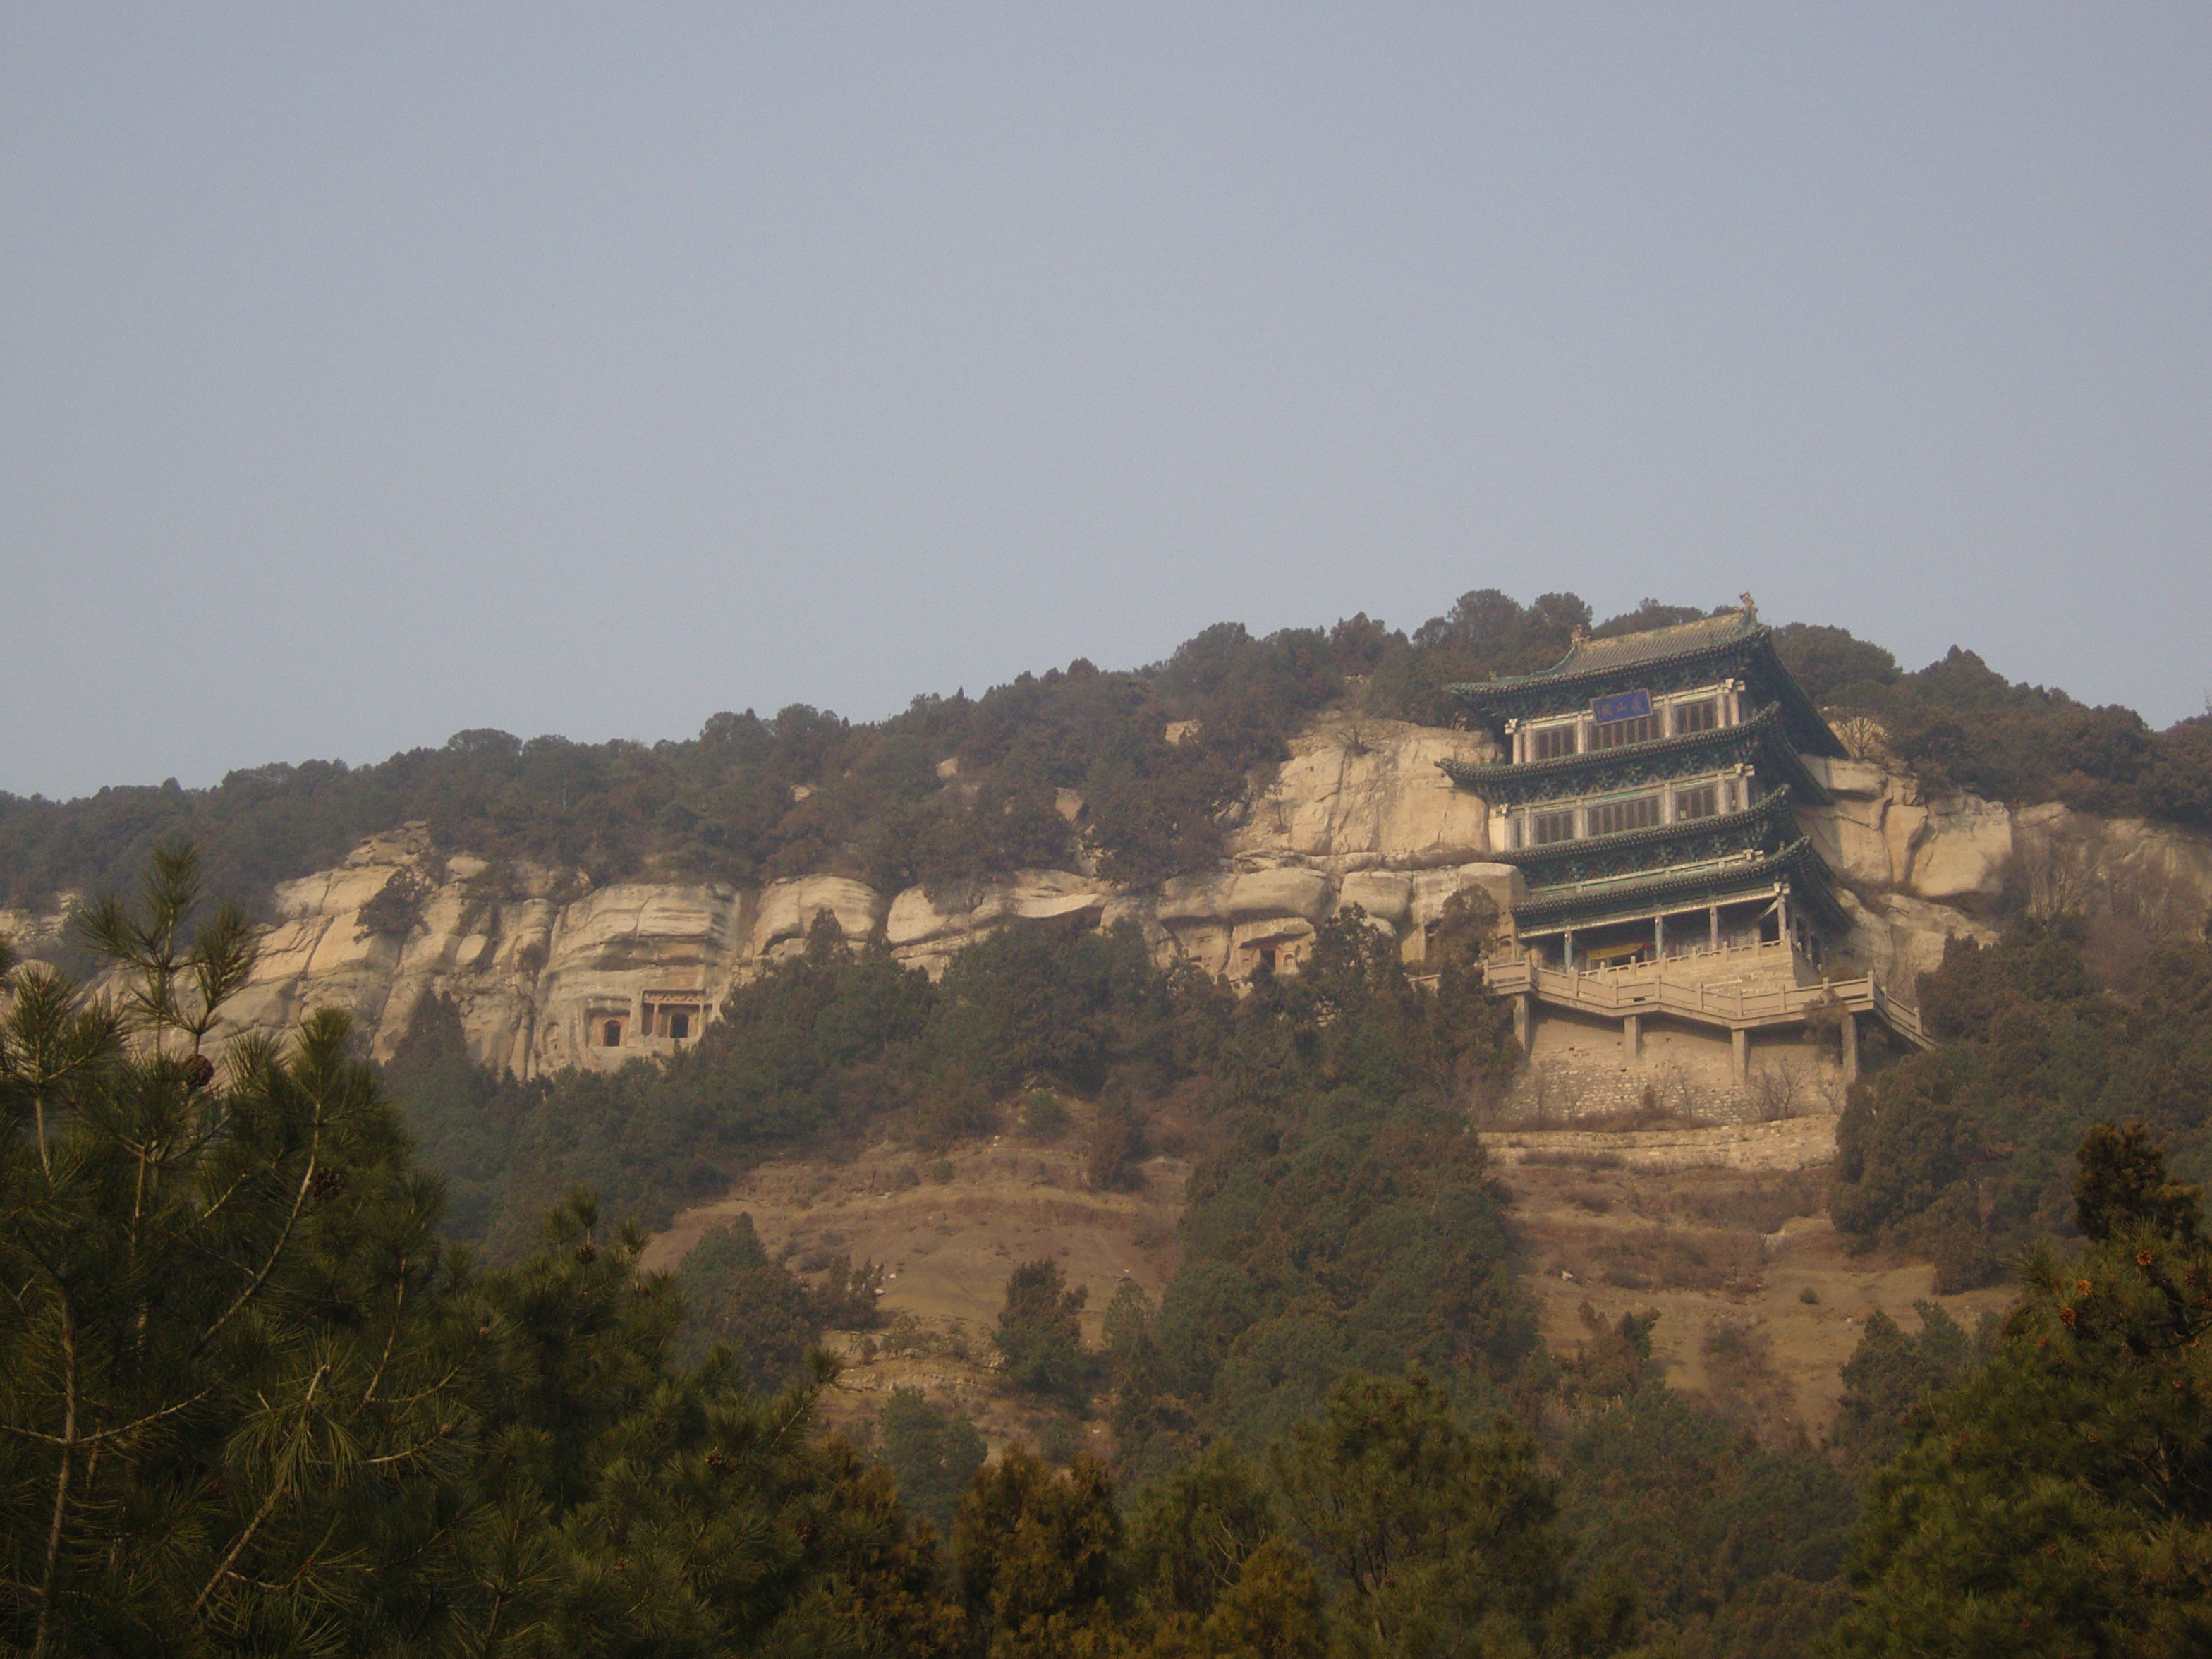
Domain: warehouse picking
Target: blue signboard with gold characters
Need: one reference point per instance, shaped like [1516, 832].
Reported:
[1621, 706]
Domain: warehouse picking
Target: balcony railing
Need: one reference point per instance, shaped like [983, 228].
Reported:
[1649, 987]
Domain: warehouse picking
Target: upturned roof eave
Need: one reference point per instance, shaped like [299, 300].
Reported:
[1802, 714]
[1776, 806]
[1759, 729]
[1562, 674]
[1618, 898]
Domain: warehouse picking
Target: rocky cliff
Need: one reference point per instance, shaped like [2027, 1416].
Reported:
[544, 969]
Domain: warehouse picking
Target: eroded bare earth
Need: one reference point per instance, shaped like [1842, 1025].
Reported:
[1726, 1255]
[1720, 1232]
[948, 1228]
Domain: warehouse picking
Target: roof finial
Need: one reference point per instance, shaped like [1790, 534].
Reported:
[1750, 606]
[1581, 634]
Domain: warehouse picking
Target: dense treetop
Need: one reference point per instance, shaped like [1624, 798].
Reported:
[752, 799]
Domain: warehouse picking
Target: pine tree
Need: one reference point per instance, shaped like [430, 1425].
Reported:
[233, 1379]
[251, 1404]
[1443, 1539]
[2059, 1500]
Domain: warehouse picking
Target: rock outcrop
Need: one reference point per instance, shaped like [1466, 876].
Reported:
[547, 972]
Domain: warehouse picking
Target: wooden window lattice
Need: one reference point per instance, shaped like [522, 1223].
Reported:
[1700, 803]
[1619, 734]
[1613, 817]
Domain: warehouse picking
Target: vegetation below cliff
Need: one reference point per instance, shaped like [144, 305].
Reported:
[257, 1404]
[750, 799]
[1966, 1153]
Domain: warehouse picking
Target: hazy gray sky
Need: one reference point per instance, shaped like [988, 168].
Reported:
[370, 372]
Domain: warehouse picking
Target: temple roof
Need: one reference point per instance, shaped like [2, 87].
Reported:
[1604, 656]
[1630, 766]
[1763, 817]
[1734, 638]
[1723, 881]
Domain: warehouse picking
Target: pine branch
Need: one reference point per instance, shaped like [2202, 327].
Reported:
[106, 1435]
[61, 1478]
[299, 1203]
[268, 1503]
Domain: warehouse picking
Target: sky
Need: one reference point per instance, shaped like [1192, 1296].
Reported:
[369, 373]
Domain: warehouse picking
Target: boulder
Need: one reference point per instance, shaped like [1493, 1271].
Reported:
[928, 930]
[1900, 938]
[1387, 896]
[1367, 794]
[787, 909]
[1290, 890]
[1852, 779]
[1961, 850]
[1851, 833]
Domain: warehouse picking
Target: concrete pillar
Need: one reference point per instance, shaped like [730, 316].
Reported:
[1740, 1041]
[1632, 1038]
[1850, 1047]
[1524, 1021]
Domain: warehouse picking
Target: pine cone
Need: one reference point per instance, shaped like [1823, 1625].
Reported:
[326, 1184]
[200, 1071]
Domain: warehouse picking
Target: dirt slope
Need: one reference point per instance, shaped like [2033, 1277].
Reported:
[1720, 1230]
[947, 1230]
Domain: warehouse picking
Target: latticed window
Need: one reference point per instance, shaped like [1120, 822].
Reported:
[1545, 828]
[1702, 802]
[1551, 742]
[1615, 734]
[1610, 818]
[1696, 716]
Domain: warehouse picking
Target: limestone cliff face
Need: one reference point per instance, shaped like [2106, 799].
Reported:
[545, 969]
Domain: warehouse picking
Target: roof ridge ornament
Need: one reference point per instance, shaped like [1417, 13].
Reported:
[1750, 607]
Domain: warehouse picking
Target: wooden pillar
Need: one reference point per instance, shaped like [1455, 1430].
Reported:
[1781, 916]
[1570, 947]
[1850, 1047]
[1524, 1021]
[1713, 920]
[1659, 937]
[1631, 1036]
[1740, 1040]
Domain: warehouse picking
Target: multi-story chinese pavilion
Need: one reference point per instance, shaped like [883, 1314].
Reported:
[1647, 791]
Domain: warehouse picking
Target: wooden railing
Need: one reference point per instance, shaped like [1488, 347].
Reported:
[1648, 988]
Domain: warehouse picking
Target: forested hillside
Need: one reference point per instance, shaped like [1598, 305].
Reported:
[749, 799]
[259, 1398]
[305, 1354]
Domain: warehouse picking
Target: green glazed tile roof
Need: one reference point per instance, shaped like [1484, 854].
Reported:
[1775, 809]
[1512, 781]
[1721, 882]
[1605, 656]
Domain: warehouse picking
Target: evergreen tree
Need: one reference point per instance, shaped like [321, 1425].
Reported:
[250, 1403]
[1041, 1333]
[1443, 1541]
[236, 1365]
[2059, 1500]
[931, 1450]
